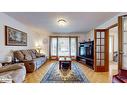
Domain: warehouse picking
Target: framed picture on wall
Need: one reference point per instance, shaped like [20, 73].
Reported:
[14, 37]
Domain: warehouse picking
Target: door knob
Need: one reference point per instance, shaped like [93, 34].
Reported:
[121, 52]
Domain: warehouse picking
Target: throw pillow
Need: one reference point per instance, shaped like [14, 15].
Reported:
[38, 54]
[34, 51]
[27, 55]
[32, 54]
[19, 55]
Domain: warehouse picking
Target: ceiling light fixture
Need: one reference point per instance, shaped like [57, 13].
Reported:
[62, 22]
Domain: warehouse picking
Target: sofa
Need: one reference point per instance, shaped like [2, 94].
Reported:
[14, 73]
[121, 77]
[31, 59]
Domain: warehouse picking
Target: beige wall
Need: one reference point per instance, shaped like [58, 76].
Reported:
[33, 37]
[81, 36]
[42, 40]
[90, 35]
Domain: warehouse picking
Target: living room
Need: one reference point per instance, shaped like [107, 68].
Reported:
[49, 47]
[66, 47]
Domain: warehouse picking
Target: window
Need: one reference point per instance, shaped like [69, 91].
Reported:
[73, 47]
[63, 46]
[54, 47]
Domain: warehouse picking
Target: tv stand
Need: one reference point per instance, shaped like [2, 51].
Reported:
[81, 59]
[84, 60]
[89, 62]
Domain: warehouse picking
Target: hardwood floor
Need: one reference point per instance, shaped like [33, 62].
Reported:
[99, 77]
[94, 77]
[37, 75]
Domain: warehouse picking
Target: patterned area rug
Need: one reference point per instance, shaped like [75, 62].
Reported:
[54, 75]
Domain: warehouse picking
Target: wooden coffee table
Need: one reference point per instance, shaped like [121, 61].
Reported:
[63, 60]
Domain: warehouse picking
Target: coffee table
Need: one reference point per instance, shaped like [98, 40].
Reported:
[63, 60]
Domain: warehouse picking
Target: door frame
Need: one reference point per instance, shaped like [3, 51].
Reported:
[112, 36]
[119, 24]
[110, 27]
[120, 36]
[120, 39]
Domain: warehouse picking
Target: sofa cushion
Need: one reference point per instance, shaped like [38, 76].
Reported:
[27, 55]
[38, 62]
[38, 54]
[19, 55]
[34, 51]
[32, 54]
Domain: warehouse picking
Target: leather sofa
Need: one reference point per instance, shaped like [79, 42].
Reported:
[14, 73]
[31, 59]
[121, 77]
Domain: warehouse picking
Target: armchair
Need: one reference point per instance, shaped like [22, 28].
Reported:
[121, 77]
[12, 73]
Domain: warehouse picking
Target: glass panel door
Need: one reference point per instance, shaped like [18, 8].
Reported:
[53, 48]
[63, 47]
[122, 25]
[101, 50]
[73, 48]
[124, 42]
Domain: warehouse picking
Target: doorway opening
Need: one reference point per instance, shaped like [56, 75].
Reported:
[113, 49]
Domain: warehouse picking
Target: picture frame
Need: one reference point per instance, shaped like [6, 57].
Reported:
[14, 37]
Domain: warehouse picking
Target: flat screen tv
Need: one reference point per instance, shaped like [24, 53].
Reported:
[82, 51]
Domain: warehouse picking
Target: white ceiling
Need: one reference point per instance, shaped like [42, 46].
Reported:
[77, 21]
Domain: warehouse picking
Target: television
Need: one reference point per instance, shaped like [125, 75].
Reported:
[82, 51]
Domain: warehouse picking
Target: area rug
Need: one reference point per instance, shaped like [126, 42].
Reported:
[54, 75]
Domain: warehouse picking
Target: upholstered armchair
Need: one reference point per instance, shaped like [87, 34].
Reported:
[14, 73]
[121, 77]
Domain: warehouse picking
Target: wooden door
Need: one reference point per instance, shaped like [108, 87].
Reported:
[122, 42]
[101, 50]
